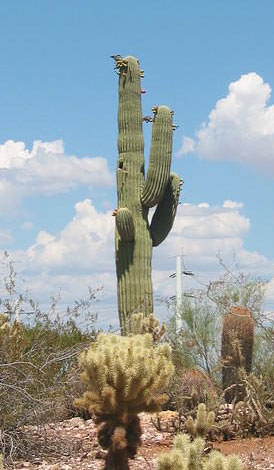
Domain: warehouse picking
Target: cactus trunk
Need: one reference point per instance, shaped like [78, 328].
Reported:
[237, 349]
[117, 460]
[133, 237]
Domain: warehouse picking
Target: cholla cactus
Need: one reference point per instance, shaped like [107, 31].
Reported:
[237, 348]
[140, 324]
[187, 455]
[202, 424]
[124, 376]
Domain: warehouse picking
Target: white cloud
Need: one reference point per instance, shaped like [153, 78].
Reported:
[85, 244]
[188, 146]
[202, 231]
[10, 196]
[47, 170]
[232, 204]
[208, 222]
[82, 253]
[240, 127]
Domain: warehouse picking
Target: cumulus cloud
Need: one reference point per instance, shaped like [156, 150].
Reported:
[87, 241]
[240, 127]
[82, 253]
[202, 231]
[10, 195]
[85, 244]
[47, 170]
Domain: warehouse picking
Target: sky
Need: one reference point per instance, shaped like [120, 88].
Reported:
[211, 62]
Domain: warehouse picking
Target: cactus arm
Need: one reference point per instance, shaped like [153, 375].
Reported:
[164, 215]
[160, 157]
[125, 224]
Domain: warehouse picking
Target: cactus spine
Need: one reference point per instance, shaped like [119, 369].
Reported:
[134, 237]
[237, 348]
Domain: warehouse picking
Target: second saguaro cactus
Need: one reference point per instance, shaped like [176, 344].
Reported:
[135, 236]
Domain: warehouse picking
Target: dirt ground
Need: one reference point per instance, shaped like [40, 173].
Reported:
[72, 445]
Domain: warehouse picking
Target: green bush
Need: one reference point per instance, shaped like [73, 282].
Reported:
[36, 369]
[38, 363]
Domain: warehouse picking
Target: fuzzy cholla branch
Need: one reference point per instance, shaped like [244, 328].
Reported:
[141, 324]
[202, 424]
[187, 455]
[123, 376]
[124, 373]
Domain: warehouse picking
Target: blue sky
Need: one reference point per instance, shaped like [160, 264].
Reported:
[210, 61]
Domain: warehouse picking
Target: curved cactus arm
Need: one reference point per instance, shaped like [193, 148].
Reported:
[165, 213]
[160, 157]
[125, 224]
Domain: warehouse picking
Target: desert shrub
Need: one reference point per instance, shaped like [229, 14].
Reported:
[38, 363]
[197, 343]
[195, 387]
[36, 367]
[263, 355]
[255, 413]
[195, 354]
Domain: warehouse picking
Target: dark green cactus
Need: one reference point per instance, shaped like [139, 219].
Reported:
[135, 237]
[237, 349]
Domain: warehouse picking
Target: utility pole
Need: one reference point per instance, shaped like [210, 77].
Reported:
[179, 294]
[17, 310]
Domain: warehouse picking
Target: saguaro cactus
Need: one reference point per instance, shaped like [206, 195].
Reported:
[237, 349]
[135, 237]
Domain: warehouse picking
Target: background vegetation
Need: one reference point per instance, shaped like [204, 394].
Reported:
[40, 376]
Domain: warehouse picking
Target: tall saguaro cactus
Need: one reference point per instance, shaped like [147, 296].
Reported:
[135, 236]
